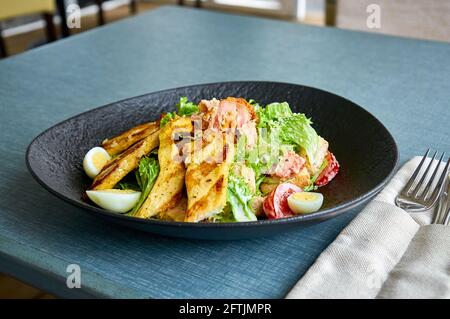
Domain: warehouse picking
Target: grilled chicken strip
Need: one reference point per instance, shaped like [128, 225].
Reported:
[302, 180]
[120, 143]
[120, 166]
[168, 188]
[207, 180]
[177, 213]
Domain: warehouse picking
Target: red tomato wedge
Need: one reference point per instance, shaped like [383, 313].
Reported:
[329, 172]
[276, 204]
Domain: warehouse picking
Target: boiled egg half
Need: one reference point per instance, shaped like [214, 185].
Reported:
[94, 160]
[305, 202]
[116, 200]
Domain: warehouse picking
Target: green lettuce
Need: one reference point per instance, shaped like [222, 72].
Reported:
[260, 158]
[129, 186]
[238, 197]
[225, 216]
[322, 167]
[270, 148]
[285, 127]
[167, 118]
[146, 176]
[271, 119]
[297, 130]
[186, 108]
[280, 131]
[273, 113]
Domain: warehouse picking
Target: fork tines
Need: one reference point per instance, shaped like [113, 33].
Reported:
[421, 190]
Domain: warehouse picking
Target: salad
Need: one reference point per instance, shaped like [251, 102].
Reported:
[228, 160]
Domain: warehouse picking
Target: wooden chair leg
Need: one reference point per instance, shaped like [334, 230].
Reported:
[65, 32]
[101, 16]
[330, 12]
[49, 27]
[133, 6]
[3, 52]
[198, 3]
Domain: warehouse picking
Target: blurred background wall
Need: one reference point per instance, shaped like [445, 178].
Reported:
[424, 19]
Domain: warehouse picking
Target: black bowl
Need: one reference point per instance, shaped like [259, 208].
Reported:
[364, 148]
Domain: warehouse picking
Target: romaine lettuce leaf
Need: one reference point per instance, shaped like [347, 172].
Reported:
[270, 148]
[322, 167]
[130, 186]
[273, 112]
[297, 130]
[226, 216]
[146, 176]
[186, 108]
[238, 197]
[167, 118]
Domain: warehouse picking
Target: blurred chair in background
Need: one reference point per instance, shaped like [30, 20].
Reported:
[12, 8]
[330, 13]
[62, 13]
[413, 18]
[100, 15]
[198, 3]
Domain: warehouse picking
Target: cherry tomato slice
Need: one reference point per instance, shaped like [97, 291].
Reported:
[276, 204]
[328, 172]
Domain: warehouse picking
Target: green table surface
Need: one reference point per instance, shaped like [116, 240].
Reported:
[403, 82]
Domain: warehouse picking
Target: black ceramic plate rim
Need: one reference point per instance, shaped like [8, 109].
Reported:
[330, 212]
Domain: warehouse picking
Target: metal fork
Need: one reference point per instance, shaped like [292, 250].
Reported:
[442, 211]
[447, 217]
[420, 196]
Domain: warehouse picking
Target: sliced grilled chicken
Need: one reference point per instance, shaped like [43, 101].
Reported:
[168, 188]
[302, 180]
[120, 166]
[207, 180]
[176, 213]
[120, 143]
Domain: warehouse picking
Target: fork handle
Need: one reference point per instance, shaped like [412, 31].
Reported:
[447, 218]
[440, 209]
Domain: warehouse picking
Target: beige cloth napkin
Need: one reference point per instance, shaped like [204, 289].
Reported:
[384, 252]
